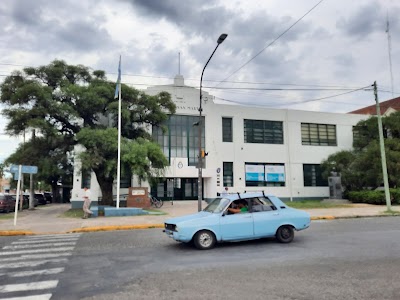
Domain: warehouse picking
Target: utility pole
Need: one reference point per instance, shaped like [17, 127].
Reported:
[382, 146]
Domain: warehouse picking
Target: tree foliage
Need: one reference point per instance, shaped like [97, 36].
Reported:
[69, 105]
[361, 168]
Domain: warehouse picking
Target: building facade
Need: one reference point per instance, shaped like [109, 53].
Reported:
[247, 148]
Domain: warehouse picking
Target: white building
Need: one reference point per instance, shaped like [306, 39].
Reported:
[249, 149]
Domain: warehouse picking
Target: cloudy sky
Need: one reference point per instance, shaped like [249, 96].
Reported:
[335, 47]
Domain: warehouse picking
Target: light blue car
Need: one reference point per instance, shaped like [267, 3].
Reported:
[238, 217]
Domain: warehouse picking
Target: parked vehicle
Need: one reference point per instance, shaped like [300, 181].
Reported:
[25, 203]
[238, 217]
[40, 198]
[7, 203]
[48, 196]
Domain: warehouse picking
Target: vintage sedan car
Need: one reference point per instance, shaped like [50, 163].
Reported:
[238, 217]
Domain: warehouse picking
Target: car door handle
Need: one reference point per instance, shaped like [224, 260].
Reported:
[275, 214]
[248, 217]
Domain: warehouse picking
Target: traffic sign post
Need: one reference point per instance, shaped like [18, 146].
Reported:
[18, 170]
[17, 196]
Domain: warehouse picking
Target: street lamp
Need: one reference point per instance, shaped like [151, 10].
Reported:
[221, 38]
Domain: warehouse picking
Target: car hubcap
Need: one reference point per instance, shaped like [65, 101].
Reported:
[205, 240]
[285, 233]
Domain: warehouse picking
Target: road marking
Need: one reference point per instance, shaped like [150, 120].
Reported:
[40, 245]
[33, 237]
[34, 256]
[31, 273]
[36, 297]
[23, 264]
[30, 286]
[22, 242]
[37, 251]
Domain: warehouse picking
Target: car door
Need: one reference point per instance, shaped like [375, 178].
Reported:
[237, 226]
[267, 218]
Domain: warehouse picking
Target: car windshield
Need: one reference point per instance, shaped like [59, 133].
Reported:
[217, 205]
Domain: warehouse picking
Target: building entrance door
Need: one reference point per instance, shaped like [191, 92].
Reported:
[177, 189]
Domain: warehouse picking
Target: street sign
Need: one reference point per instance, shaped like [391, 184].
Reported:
[24, 169]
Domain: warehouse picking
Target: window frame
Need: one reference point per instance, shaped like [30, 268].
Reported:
[317, 180]
[314, 134]
[226, 175]
[263, 132]
[227, 130]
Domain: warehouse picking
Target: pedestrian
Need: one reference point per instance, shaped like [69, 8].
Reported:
[86, 204]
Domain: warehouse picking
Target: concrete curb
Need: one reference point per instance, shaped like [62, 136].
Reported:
[15, 232]
[323, 218]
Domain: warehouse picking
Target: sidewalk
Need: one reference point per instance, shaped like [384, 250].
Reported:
[48, 219]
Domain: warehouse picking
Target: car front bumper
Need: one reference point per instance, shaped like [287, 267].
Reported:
[177, 236]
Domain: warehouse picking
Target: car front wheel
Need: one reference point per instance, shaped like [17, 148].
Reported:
[285, 234]
[204, 240]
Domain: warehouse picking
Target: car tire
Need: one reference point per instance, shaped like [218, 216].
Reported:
[285, 234]
[204, 240]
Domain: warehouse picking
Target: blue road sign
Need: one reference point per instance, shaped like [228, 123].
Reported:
[24, 169]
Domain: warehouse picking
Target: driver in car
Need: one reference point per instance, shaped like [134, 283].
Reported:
[241, 208]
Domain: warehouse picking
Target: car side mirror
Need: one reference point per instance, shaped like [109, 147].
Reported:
[224, 213]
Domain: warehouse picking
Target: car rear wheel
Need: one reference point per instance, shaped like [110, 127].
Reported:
[285, 234]
[204, 240]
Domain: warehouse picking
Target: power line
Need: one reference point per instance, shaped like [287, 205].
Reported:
[271, 43]
[304, 101]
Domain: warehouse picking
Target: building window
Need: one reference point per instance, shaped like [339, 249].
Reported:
[180, 138]
[313, 175]
[227, 129]
[318, 134]
[263, 132]
[228, 173]
[265, 174]
[125, 180]
[86, 178]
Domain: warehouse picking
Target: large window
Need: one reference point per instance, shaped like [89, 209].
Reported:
[228, 173]
[86, 178]
[227, 129]
[265, 174]
[126, 179]
[318, 134]
[313, 175]
[181, 137]
[263, 132]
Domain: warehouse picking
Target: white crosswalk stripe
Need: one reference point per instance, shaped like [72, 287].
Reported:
[51, 236]
[39, 245]
[36, 272]
[23, 242]
[23, 264]
[37, 251]
[34, 261]
[34, 256]
[36, 297]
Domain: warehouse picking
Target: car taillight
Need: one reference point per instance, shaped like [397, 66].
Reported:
[1, 202]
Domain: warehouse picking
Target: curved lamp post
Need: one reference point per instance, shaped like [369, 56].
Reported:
[221, 38]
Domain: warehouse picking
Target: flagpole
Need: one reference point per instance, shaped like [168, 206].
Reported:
[119, 134]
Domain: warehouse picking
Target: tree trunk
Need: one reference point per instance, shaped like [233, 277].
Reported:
[54, 192]
[106, 187]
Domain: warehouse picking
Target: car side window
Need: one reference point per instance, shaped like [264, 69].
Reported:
[260, 205]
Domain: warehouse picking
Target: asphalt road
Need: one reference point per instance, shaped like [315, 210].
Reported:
[340, 259]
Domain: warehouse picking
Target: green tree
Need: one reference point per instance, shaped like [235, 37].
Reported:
[71, 104]
[362, 167]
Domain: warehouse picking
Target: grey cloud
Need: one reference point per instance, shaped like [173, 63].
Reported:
[367, 20]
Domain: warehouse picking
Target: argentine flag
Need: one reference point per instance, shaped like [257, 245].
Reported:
[118, 80]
